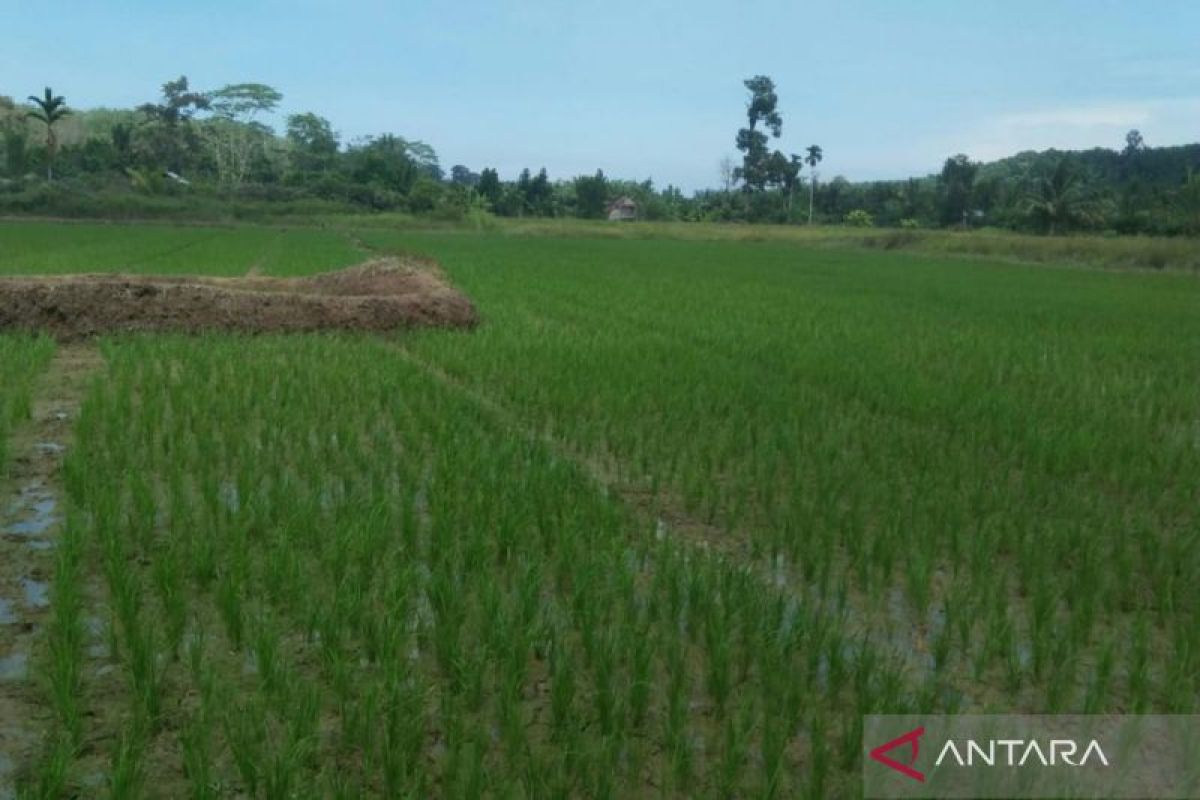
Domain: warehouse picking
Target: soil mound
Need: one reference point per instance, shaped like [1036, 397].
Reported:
[381, 295]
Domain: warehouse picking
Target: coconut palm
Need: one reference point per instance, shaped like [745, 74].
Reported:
[812, 159]
[50, 109]
[1059, 196]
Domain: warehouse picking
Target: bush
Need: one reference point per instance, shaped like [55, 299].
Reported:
[859, 219]
[909, 224]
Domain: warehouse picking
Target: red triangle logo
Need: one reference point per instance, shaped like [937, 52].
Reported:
[911, 738]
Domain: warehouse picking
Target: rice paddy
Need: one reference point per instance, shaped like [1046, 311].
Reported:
[54, 248]
[668, 523]
[21, 360]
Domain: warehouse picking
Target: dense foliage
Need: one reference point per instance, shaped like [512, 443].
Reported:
[208, 153]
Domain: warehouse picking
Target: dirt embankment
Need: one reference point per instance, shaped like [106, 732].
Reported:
[380, 295]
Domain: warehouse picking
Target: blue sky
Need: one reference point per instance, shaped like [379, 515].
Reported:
[649, 89]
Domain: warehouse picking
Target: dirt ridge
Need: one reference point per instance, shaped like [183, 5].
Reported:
[380, 295]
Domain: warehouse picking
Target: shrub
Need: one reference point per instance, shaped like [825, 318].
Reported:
[424, 197]
[859, 219]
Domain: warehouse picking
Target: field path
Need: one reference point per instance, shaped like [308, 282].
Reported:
[31, 516]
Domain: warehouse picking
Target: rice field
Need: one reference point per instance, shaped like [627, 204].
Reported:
[55, 248]
[21, 360]
[668, 523]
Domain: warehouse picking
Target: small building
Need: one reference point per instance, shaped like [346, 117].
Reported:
[621, 209]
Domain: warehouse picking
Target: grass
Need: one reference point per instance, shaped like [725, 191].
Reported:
[317, 242]
[1088, 250]
[28, 248]
[667, 524]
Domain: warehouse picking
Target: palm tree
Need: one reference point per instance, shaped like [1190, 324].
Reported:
[812, 159]
[50, 109]
[1059, 195]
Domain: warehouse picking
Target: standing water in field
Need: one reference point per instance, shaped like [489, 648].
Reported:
[34, 510]
[14, 667]
[31, 498]
[37, 593]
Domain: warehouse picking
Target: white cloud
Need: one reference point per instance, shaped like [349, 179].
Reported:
[1085, 117]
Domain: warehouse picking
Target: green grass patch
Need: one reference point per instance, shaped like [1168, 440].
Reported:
[28, 248]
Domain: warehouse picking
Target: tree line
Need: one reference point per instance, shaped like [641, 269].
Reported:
[1136, 189]
[191, 144]
[188, 144]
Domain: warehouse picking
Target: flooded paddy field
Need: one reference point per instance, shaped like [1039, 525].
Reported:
[667, 522]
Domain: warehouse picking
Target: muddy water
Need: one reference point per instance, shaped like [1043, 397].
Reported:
[34, 513]
[14, 667]
[37, 593]
[31, 503]
[6, 770]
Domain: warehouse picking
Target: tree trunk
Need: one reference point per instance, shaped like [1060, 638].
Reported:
[812, 190]
[51, 147]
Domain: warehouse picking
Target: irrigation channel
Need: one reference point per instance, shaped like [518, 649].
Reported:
[31, 518]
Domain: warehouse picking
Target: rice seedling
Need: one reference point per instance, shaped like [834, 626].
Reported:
[22, 359]
[381, 604]
[670, 522]
[983, 449]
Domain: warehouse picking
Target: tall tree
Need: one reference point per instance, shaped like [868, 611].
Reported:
[461, 175]
[179, 103]
[171, 137]
[756, 170]
[235, 138]
[242, 102]
[313, 143]
[425, 157]
[49, 110]
[540, 194]
[955, 184]
[1134, 143]
[591, 195]
[489, 186]
[384, 161]
[812, 158]
[788, 171]
[524, 182]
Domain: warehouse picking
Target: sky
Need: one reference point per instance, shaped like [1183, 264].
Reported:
[645, 89]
